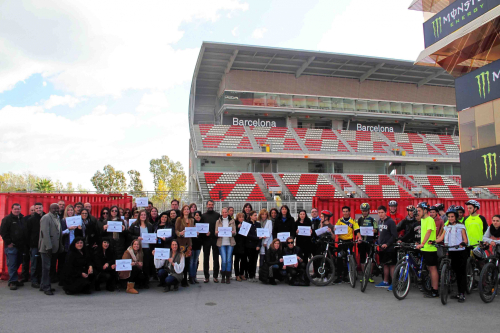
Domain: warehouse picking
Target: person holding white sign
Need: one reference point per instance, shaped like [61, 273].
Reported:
[139, 227]
[352, 232]
[226, 245]
[136, 276]
[119, 240]
[265, 223]
[166, 223]
[295, 272]
[252, 246]
[185, 244]
[368, 222]
[239, 250]
[176, 267]
[304, 242]
[284, 223]
[104, 266]
[196, 244]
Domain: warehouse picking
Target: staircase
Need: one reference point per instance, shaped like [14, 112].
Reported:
[337, 133]
[425, 193]
[299, 140]
[286, 195]
[203, 186]
[262, 186]
[359, 192]
[395, 179]
[251, 138]
[430, 143]
[335, 184]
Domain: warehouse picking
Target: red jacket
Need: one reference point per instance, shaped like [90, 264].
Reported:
[396, 217]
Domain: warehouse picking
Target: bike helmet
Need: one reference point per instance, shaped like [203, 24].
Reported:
[457, 208]
[393, 203]
[452, 210]
[435, 207]
[423, 205]
[479, 253]
[439, 206]
[473, 203]
[327, 213]
[364, 206]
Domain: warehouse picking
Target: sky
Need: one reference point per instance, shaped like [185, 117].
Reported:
[88, 83]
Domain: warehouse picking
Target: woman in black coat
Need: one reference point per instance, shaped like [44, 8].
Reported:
[252, 246]
[78, 269]
[139, 227]
[118, 239]
[165, 222]
[104, 266]
[272, 265]
[284, 223]
[304, 242]
[239, 251]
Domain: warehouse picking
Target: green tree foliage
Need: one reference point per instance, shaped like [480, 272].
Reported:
[44, 186]
[135, 186]
[109, 181]
[12, 182]
[170, 172]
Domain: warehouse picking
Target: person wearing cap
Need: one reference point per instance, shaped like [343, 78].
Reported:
[366, 220]
[453, 234]
[434, 213]
[475, 224]
[429, 252]
[461, 214]
[441, 212]
[393, 212]
[352, 232]
[405, 226]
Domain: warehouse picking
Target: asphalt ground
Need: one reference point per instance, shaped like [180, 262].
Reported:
[242, 307]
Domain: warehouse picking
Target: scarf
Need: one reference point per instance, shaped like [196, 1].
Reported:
[116, 235]
[132, 254]
[283, 219]
[494, 232]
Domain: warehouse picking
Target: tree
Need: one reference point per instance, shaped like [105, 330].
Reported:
[80, 188]
[170, 172]
[69, 187]
[135, 186]
[110, 180]
[58, 186]
[44, 186]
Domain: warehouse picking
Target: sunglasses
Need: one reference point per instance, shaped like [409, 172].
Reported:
[105, 213]
[114, 211]
[289, 242]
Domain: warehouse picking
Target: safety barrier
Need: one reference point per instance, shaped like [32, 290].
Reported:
[26, 200]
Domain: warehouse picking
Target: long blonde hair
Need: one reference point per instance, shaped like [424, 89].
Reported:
[66, 211]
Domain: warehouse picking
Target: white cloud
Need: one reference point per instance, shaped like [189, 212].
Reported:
[259, 33]
[99, 110]
[44, 83]
[66, 100]
[153, 103]
[234, 32]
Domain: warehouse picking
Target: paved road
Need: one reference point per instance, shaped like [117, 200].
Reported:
[241, 307]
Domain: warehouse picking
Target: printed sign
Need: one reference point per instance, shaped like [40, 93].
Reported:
[480, 167]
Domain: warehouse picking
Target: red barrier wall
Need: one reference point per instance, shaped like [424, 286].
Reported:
[489, 207]
[26, 200]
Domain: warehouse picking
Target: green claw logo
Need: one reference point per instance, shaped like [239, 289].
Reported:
[483, 82]
[490, 160]
[438, 28]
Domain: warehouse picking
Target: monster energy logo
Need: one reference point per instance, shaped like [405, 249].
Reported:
[490, 160]
[483, 82]
[437, 27]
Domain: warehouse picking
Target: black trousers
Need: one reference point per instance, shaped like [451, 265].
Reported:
[137, 276]
[57, 266]
[108, 276]
[251, 256]
[239, 264]
[459, 265]
[208, 244]
[148, 258]
[187, 262]
[25, 275]
[342, 260]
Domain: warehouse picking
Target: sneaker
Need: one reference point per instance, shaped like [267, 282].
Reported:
[432, 294]
[382, 284]
[371, 280]
[13, 286]
[461, 298]
[390, 288]
[338, 280]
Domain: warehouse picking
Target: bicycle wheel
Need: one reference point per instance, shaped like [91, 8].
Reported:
[366, 275]
[470, 274]
[444, 286]
[352, 271]
[488, 283]
[401, 281]
[320, 270]
[426, 281]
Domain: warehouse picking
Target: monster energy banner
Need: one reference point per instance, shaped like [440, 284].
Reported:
[455, 16]
[480, 167]
[478, 87]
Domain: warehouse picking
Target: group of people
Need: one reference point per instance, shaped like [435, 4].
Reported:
[83, 258]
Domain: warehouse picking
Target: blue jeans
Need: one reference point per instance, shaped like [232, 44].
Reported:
[35, 270]
[171, 280]
[193, 264]
[226, 253]
[162, 275]
[14, 260]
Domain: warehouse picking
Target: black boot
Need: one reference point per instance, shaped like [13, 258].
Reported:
[167, 288]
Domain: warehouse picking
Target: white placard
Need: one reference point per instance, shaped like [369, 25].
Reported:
[282, 236]
[74, 221]
[123, 218]
[202, 228]
[341, 229]
[141, 202]
[321, 231]
[304, 231]
[190, 232]
[263, 232]
[161, 253]
[290, 260]
[123, 265]
[114, 226]
[245, 228]
[130, 222]
[366, 231]
[149, 238]
[164, 233]
[225, 232]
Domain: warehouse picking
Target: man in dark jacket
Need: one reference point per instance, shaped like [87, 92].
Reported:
[388, 235]
[209, 241]
[88, 207]
[33, 237]
[25, 273]
[14, 232]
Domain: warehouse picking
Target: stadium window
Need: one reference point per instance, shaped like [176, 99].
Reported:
[396, 108]
[325, 103]
[373, 106]
[312, 102]
[272, 100]
[259, 99]
[337, 104]
[384, 107]
[361, 106]
[299, 101]
[449, 111]
[428, 110]
[486, 136]
[285, 101]
[418, 109]
[349, 104]
[406, 108]
[468, 136]
[438, 110]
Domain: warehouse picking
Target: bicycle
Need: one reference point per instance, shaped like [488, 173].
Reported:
[322, 264]
[488, 280]
[404, 271]
[447, 275]
[369, 262]
[472, 268]
[351, 262]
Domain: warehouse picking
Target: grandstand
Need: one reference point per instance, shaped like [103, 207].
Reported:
[272, 124]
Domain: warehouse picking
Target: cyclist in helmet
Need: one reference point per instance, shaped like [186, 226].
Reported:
[429, 252]
[393, 212]
[405, 226]
[352, 233]
[434, 213]
[475, 224]
[461, 214]
[454, 234]
[366, 221]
